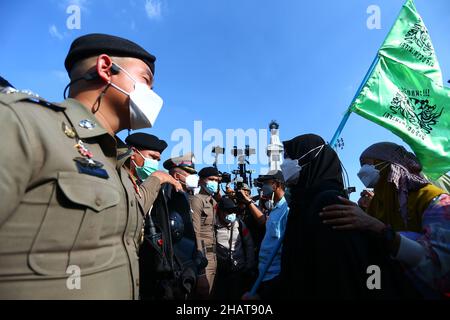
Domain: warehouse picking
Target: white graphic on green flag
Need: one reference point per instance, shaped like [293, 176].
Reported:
[413, 107]
[404, 93]
[409, 43]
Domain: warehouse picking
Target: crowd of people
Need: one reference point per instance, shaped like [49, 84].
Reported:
[400, 224]
[74, 195]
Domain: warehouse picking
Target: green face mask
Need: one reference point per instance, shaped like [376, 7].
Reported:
[150, 166]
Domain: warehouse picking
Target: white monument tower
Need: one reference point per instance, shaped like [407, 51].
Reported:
[275, 147]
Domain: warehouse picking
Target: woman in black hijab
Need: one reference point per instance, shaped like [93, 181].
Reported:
[317, 261]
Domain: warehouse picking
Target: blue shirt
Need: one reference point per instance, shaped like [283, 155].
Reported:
[275, 228]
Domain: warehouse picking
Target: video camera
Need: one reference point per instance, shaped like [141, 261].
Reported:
[241, 175]
[226, 177]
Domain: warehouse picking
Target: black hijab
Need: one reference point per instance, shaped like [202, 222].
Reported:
[316, 261]
[319, 173]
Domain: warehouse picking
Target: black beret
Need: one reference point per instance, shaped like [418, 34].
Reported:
[226, 204]
[5, 83]
[208, 172]
[272, 175]
[146, 141]
[96, 43]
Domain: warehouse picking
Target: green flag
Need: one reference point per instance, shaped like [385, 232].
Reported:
[409, 43]
[443, 183]
[404, 93]
[413, 107]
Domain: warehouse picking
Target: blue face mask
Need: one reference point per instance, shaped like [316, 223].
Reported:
[267, 190]
[150, 166]
[212, 187]
[230, 218]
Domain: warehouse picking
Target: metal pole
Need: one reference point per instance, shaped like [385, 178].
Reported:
[348, 112]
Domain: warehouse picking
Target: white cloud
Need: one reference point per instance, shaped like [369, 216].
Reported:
[82, 4]
[53, 30]
[153, 8]
[61, 76]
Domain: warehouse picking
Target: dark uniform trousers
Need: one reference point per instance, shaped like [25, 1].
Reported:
[64, 233]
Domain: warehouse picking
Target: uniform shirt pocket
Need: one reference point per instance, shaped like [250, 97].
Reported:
[88, 191]
[78, 227]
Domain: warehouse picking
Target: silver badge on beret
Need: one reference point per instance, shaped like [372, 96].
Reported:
[87, 124]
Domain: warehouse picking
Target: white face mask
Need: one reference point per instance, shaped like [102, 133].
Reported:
[192, 181]
[291, 169]
[369, 175]
[196, 190]
[145, 104]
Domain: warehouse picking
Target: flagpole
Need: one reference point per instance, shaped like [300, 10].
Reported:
[333, 141]
[348, 112]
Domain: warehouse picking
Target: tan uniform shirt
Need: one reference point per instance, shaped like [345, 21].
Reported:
[65, 234]
[204, 209]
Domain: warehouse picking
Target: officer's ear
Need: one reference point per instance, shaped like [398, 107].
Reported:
[104, 67]
[133, 154]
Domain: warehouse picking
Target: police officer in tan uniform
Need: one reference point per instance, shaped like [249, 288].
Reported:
[204, 208]
[182, 168]
[147, 150]
[70, 220]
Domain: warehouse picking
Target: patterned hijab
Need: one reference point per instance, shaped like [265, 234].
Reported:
[404, 171]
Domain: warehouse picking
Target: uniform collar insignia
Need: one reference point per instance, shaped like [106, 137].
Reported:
[78, 114]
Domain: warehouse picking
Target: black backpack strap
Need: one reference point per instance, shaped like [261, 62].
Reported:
[241, 235]
[157, 230]
[164, 225]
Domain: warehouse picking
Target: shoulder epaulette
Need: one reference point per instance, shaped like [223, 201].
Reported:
[11, 98]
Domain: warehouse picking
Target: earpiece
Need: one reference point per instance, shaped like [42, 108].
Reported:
[90, 76]
[115, 69]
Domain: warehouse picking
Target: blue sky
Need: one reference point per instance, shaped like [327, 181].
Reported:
[229, 63]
